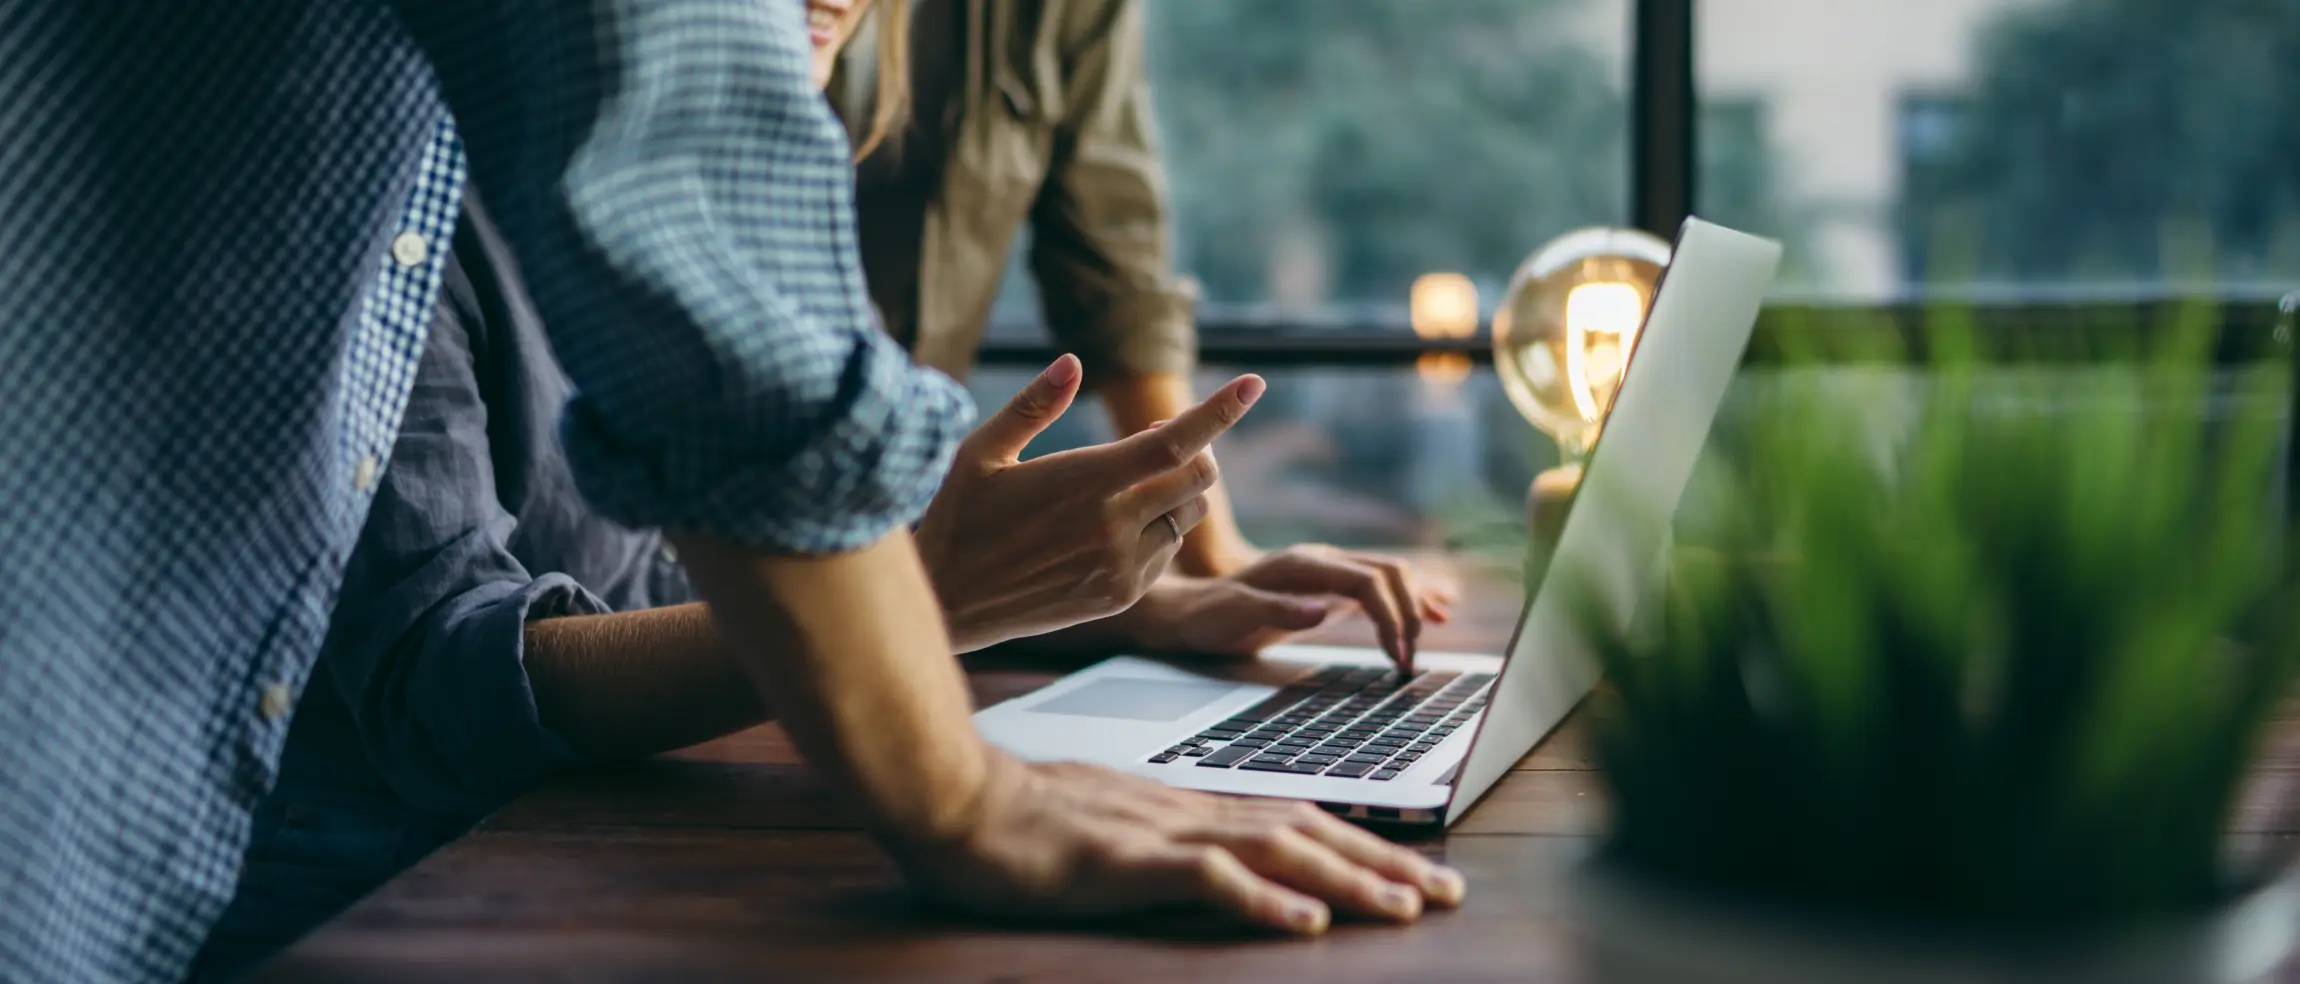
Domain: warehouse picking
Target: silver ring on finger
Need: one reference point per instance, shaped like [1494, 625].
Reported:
[1172, 524]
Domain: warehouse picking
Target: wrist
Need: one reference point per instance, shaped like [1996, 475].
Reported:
[1154, 623]
[923, 845]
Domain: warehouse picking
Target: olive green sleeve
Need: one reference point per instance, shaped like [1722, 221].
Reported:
[1099, 247]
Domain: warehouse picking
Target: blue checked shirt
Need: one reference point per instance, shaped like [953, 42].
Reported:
[221, 230]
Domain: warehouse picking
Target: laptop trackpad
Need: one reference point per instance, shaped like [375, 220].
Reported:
[1138, 700]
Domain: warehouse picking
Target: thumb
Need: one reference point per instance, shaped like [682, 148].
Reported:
[1006, 433]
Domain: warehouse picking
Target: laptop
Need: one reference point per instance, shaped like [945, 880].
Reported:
[1337, 725]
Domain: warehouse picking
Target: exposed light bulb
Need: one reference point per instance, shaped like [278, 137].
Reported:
[1566, 328]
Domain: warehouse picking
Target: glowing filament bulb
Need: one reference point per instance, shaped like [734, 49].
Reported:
[1603, 308]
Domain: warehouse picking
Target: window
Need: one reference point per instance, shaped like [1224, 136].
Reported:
[1321, 155]
[1324, 153]
[2025, 148]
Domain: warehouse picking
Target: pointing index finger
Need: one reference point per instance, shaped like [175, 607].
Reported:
[1164, 448]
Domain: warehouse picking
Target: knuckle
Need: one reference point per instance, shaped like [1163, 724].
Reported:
[1206, 863]
[1168, 453]
[1265, 840]
[1203, 470]
[1229, 411]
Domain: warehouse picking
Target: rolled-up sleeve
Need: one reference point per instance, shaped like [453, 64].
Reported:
[680, 198]
[444, 708]
[426, 647]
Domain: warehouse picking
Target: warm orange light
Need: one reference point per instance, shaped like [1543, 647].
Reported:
[1444, 305]
[1443, 367]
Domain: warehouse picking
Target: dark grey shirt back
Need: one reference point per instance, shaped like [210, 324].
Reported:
[476, 528]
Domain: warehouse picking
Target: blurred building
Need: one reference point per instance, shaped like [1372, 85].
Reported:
[1845, 93]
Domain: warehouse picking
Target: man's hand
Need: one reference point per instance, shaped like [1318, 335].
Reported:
[1282, 593]
[1077, 841]
[1019, 548]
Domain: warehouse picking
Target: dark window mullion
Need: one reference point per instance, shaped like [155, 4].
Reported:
[1662, 116]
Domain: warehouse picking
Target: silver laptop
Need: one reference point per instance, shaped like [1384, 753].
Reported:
[1336, 725]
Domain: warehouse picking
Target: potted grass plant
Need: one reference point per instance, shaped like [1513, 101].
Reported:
[1975, 706]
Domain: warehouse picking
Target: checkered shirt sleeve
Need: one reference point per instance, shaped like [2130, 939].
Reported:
[696, 265]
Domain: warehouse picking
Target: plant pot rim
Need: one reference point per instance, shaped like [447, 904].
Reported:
[1621, 910]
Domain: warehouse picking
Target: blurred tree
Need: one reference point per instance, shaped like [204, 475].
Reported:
[1390, 137]
[2114, 140]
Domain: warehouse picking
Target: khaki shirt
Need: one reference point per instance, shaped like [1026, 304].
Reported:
[1053, 126]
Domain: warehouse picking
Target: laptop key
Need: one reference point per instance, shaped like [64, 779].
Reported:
[1249, 743]
[1193, 740]
[1367, 759]
[1387, 774]
[1180, 750]
[1301, 770]
[1197, 751]
[1270, 759]
[1350, 770]
[1225, 758]
[1317, 759]
[1218, 734]
[1164, 757]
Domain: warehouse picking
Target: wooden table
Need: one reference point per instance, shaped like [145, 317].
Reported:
[727, 862]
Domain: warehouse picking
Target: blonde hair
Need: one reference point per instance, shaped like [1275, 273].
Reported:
[891, 107]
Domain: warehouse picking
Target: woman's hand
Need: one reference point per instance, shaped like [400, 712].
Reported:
[1019, 548]
[1218, 617]
[1073, 841]
[1282, 594]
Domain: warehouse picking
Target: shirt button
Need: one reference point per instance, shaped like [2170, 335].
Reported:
[276, 702]
[363, 475]
[669, 553]
[409, 249]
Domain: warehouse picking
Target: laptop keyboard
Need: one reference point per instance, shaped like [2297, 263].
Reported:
[1344, 721]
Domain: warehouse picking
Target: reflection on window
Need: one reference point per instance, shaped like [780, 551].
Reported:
[1324, 153]
[2034, 147]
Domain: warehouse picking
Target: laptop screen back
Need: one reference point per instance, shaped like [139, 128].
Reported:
[1685, 359]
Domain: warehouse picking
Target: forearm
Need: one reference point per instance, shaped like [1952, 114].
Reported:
[638, 683]
[1138, 400]
[853, 649]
